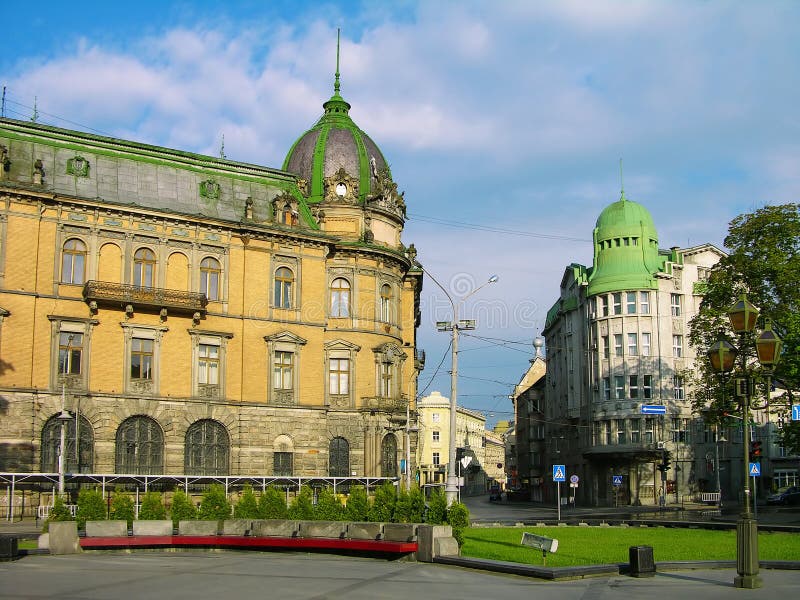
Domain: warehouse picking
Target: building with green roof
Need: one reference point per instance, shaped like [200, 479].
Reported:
[617, 342]
[198, 316]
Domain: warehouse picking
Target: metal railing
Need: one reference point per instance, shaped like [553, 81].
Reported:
[123, 293]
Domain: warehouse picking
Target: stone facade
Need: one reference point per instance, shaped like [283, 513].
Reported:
[195, 315]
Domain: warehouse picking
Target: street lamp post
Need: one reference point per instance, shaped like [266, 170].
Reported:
[451, 488]
[723, 354]
[717, 441]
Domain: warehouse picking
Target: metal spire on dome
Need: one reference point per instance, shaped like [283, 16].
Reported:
[336, 85]
[621, 183]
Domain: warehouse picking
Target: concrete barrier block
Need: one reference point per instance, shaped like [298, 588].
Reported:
[426, 538]
[274, 528]
[64, 537]
[323, 529]
[43, 543]
[106, 528]
[9, 548]
[197, 527]
[365, 531]
[400, 532]
[236, 526]
[156, 527]
[445, 546]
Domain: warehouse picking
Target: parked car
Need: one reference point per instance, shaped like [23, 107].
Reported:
[785, 495]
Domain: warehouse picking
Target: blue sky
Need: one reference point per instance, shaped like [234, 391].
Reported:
[503, 122]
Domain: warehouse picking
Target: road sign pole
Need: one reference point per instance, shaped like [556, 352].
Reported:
[558, 483]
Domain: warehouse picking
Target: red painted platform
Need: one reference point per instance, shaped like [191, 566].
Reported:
[254, 543]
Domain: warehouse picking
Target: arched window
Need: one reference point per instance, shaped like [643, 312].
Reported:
[144, 268]
[209, 278]
[386, 303]
[282, 456]
[389, 456]
[140, 447]
[207, 448]
[284, 282]
[339, 461]
[76, 462]
[73, 262]
[340, 297]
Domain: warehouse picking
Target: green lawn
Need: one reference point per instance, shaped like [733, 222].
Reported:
[603, 545]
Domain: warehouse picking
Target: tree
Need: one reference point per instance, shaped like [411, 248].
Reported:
[122, 507]
[247, 506]
[152, 508]
[328, 507]
[214, 505]
[272, 504]
[763, 263]
[357, 504]
[302, 508]
[182, 508]
[382, 509]
[91, 506]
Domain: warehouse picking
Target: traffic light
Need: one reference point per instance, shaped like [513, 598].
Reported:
[665, 460]
[755, 452]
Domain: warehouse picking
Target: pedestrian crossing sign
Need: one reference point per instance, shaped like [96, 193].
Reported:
[755, 469]
[559, 473]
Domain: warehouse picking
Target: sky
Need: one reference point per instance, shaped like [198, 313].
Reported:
[503, 122]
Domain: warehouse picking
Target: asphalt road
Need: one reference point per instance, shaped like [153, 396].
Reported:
[288, 576]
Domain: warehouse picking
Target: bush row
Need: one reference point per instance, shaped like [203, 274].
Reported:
[387, 505]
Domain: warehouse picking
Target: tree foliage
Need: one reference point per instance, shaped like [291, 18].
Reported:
[763, 263]
[328, 507]
[182, 508]
[247, 506]
[302, 507]
[122, 507]
[382, 509]
[357, 504]
[152, 508]
[214, 505]
[272, 504]
[91, 506]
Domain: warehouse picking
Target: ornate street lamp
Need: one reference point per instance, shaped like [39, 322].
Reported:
[722, 355]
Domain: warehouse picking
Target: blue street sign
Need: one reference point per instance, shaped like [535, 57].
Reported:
[616, 479]
[654, 409]
[795, 412]
[559, 473]
[755, 469]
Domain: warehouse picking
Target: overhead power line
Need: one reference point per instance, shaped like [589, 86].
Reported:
[475, 226]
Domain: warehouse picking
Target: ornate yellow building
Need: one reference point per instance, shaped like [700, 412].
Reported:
[197, 315]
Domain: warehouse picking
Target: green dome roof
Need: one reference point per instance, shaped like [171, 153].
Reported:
[335, 142]
[625, 249]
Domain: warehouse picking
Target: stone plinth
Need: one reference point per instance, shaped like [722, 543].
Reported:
[432, 542]
[325, 529]
[198, 527]
[236, 526]
[274, 527]
[155, 527]
[64, 537]
[400, 532]
[365, 531]
[106, 528]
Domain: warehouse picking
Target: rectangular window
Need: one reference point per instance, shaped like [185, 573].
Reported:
[647, 387]
[70, 351]
[435, 435]
[339, 376]
[676, 304]
[606, 388]
[282, 463]
[141, 359]
[677, 384]
[605, 305]
[677, 346]
[622, 435]
[283, 371]
[208, 364]
[644, 303]
[436, 458]
[618, 344]
[630, 303]
[435, 417]
[606, 425]
[633, 345]
[619, 387]
[606, 347]
[386, 379]
[633, 386]
[617, 303]
[680, 430]
[635, 431]
[646, 344]
[648, 431]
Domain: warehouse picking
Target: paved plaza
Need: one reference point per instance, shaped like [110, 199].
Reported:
[226, 574]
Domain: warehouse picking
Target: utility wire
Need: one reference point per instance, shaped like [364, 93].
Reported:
[464, 225]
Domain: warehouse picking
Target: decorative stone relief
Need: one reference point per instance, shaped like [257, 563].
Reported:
[285, 210]
[341, 188]
[386, 196]
[78, 166]
[209, 189]
[5, 162]
[38, 172]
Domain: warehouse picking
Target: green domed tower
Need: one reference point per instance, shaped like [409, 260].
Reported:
[335, 159]
[625, 249]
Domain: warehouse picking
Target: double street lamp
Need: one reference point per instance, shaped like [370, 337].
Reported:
[723, 355]
[454, 326]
